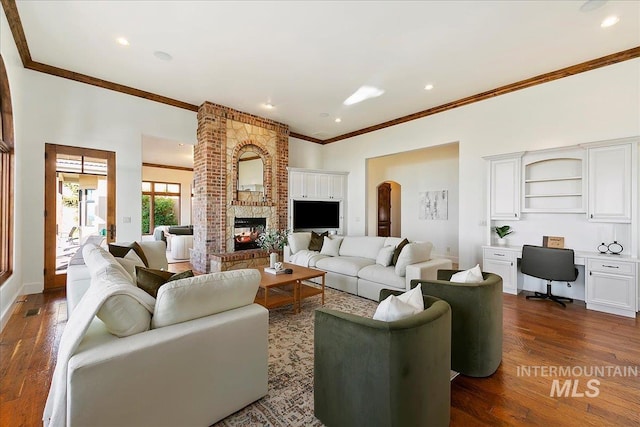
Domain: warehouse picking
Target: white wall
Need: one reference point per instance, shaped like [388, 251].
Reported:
[50, 109]
[304, 154]
[597, 105]
[427, 169]
[174, 176]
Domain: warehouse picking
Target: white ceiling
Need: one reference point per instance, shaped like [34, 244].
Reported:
[308, 57]
[166, 152]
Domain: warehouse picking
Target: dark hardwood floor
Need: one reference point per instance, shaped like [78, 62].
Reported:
[536, 333]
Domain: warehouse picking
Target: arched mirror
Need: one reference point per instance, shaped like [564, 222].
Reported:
[251, 172]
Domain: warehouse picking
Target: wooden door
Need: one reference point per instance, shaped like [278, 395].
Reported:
[384, 209]
[94, 201]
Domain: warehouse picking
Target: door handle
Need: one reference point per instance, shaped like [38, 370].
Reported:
[112, 232]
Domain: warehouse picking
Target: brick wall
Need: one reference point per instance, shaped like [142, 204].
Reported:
[223, 135]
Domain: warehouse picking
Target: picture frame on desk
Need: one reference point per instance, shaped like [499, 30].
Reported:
[553, 242]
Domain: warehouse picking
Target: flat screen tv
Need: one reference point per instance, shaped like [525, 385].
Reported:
[315, 214]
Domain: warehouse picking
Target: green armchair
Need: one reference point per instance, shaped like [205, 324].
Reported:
[476, 321]
[390, 374]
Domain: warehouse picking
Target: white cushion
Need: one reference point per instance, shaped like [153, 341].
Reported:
[411, 254]
[472, 275]
[413, 297]
[347, 265]
[122, 315]
[383, 275]
[156, 253]
[98, 260]
[392, 308]
[385, 255]
[299, 241]
[129, 262]
[392, 241]
[361, 246]
[200, 296]
[331, 246]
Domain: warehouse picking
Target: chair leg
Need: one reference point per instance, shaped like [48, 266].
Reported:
[549, 295]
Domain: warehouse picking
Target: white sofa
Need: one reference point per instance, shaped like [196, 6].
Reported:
[182, 370]
[354, 268]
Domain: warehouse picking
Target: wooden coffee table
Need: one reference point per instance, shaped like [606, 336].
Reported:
[277, 290]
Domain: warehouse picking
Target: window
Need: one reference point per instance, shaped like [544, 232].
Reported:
[6, 177]
[160, 205]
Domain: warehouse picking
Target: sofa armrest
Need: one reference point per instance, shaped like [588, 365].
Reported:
[426, 270]
[286, 253]
[191, 373]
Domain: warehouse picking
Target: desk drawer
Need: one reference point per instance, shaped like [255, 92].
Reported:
[499, 254]
[613, 267]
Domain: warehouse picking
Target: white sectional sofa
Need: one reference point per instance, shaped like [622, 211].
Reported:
[200, 356]
[354, 268]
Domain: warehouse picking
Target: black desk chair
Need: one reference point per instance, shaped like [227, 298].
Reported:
[551, 264]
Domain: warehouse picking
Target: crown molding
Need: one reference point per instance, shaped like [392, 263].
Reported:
[13, 17]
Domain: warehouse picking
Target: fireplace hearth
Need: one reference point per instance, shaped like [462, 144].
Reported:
[246, 232]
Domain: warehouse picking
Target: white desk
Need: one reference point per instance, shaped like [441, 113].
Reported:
[610, 281]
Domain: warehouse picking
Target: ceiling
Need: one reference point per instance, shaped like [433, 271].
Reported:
[306, 58]
[160, 151]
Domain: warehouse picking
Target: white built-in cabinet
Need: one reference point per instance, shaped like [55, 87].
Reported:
[504, 187]
[610, 183]
[304, 184]
[611, 286]
[503, 263]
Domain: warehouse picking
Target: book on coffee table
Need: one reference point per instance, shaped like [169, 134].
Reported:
[274, 271]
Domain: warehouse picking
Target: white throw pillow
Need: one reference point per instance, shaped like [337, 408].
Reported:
[413, 253]
[156, 253]
[392, 308]
[129, 262]
[401, 306]
[200, 296]
[385, 255]
[413, 297]
[331, 246]
[473, 275]
[298, 241]
[122, 315]
[98, 260]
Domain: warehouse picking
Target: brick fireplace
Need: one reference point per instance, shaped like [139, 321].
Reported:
[224, 134]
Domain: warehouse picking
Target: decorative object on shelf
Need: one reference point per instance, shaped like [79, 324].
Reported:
[502, 232]
[553, 242]
[615, 248]
[273, 241]
[602, 248]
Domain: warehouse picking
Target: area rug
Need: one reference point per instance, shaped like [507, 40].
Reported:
[289, 402]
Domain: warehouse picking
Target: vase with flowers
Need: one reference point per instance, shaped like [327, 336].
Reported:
[272, 241]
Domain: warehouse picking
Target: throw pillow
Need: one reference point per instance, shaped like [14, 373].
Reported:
[413, 297]
[204, 295]
[317, 240]
[393, 308]
[472, 275]
[385, 255]
[398, 249]
[120, 251]
[129, 262]
[150, 280]
[331, 246]
[298, 241]
[412, 253]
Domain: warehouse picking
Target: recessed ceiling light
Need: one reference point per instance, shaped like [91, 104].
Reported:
[122, 41]
[338, 120]
[164, 56]
[590, 5]
[269, 106]
[180, 144]
[610, 21]
[428, 87]
[365, 92]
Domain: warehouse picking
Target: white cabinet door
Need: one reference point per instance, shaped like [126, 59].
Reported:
[502, 263]
[611, 286]
[336, 186]
[310, 185]
[322, 186]
[296, 184]
[610, 183]
[505, 189]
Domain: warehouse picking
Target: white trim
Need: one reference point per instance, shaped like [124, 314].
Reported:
[8, 312]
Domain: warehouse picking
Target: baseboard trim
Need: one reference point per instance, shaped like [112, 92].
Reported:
[32, 288]
[8, 312]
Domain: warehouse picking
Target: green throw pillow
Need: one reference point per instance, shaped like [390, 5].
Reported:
[150, 280]
[120, 251]
[396, 252]
[317, 240]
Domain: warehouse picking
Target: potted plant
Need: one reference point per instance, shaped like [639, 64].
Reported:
[273, 241]
[502, 232]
